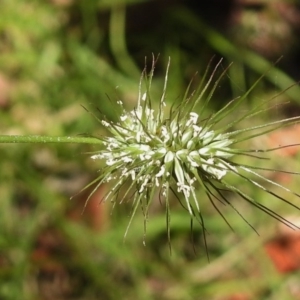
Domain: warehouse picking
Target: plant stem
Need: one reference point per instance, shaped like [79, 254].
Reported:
[48, 139]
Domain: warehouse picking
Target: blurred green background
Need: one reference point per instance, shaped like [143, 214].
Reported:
[57, 55]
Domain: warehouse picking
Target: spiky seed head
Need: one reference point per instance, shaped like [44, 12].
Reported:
[180, 150]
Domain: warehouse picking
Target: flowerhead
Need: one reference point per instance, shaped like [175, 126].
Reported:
[155, 150]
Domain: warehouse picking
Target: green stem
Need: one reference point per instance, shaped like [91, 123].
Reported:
[48, 139]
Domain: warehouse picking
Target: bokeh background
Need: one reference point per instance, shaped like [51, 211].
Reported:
[59, 55]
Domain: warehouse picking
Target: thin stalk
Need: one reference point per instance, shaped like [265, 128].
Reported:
[14, 139]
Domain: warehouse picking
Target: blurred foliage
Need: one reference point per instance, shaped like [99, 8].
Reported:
[57, 55]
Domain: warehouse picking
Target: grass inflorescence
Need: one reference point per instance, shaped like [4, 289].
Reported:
[154, 152]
